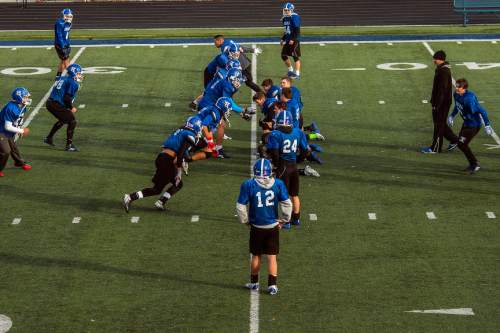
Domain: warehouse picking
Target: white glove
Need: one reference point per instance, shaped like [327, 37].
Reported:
[257, 50]
[488, 130]
[250, 110]
[450, 121]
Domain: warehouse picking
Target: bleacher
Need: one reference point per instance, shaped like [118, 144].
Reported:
[466, 7]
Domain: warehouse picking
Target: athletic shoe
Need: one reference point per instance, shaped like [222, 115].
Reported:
[472, 169]
[252, 286]
[308, 171]
[193, 106]
[49, 142]
[287, 226]
[71, 148]
[226, 137]
[320, 137]
[272, 290]
[294, 76]
[313, 157]
[126, 202]
[222, 154]
[316, 147]
[290, 74]
[160, 205]
[2, 174]
[296, 222]
[185, 167]
[427, 150]
[452, 146]
[24, 166]
[314, 127]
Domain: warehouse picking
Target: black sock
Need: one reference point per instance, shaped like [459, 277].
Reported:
[271, 280]
[134, 196]
[302, 172]
[254, 278]
[57, 126]
[295, 216]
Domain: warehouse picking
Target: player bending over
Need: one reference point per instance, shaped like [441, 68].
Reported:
[169, 165]
[257, 207]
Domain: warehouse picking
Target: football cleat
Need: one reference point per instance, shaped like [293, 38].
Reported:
[126, 202]
[226, 137]
[320, 137]
[294, 76]
[222, 154]
[160, 205]
[290, 74]
[308, 171]
[295, 222]
[452, 146]
[24, 166]
[49, 141]
[472, 169]
[287, 226]
[314, 127]
[71, 148]
[2, 174]
[272, 290]
[252, 286]
[427, 150]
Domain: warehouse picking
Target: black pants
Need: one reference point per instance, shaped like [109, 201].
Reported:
[464, 138]
[441, 128]
[166, 170]
[64, 116]
[249, 80]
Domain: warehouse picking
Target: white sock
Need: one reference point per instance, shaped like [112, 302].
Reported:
[167, 195]
[290, 69]
[140, 195]
[297, 72]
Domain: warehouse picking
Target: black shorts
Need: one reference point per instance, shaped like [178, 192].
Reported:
[289, 174]
[62, 113]
[63, 52]
[207, 77]
[264, 241]
[291, 50]
[166, 170]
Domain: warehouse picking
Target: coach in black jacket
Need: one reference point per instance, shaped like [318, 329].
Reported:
[441, 101]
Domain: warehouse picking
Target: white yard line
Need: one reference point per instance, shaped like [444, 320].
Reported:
[491, 215]
[372, 216]
[135, 219]
[17, 220]
[47, 95]
[254, 294]
[313, 217]
[167, 105]
[76, 220]
[195, 218]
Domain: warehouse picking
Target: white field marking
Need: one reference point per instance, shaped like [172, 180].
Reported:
[49, 48]
[493, 42]
[76, 220]
[185, 46]
[167, 105]
[46, 96]
[340, 102]
[17, 220]
[458, 312]
[117, 47]
[355, 44]
[459, 43]
[491, 215]
[381, 102]
[195, 218]
[135, 219]
[13, 49]
[254, 294]
[372, 216]
[431, 215]
[322, 44]
[81, 106]
[349, 69]
[152, 46]
[124, 105]
[5, 323]
[390, 44]
[313, 217]
[425, 101]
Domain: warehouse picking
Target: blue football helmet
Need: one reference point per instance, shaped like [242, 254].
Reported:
[232, 51]
[233, 63]
[194, 124]
[225, 104]
[262, 168]
[67, 15]
[21, 96]
[75, 72]
[288, 9]
[235, 77]
[283, 119]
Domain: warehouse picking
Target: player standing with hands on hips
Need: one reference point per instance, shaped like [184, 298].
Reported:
[257, 207]
[290, 40]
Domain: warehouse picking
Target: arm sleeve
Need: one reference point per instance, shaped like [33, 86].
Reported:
[59, 30]
[243, 197]
[455, 110]
[286, 209]
[443, 87]
[247, 49]
[242, 211]
[11, 128]
[476, 108]
[295, 33]
[236, 107]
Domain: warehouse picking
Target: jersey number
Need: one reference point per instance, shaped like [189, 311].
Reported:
[289, 147]
[269, 199]
[59, 84]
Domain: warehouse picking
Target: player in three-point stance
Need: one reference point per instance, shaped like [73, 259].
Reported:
[290, 40]
[60, 104]
[62, 45]
[257, 207]
[473, 115]
[169, 165]
[11, 119]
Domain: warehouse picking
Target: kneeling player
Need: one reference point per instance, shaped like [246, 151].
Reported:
[257, 206]
[169, 165]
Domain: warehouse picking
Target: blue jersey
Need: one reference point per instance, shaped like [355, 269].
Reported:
[217, 88]
[295, 110]
[296, 96]
[263, 202]
[210, 117]
[291, 24]
[177, 139]
[273, 92]
[267, 107]
[471, 111]
[288, 144]
[64, 86]
[219, 61]
[61, 33]
[11, 113]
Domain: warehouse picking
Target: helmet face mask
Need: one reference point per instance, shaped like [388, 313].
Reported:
[194, 124]
[67, 15]
[75, 72]
[288, 9]
[21, 96]
[235, 77]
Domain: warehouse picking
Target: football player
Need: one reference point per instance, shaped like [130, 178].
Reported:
[169, 165]
[285, 145]
[60, 104]
[270, 89]
[257, 207]
[11, 119]
[269, 107]
[62, 46]
[290, 40]
[473, 115]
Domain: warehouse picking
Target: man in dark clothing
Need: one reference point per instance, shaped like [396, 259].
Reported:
[441, 101]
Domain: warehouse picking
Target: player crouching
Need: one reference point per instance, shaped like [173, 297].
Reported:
[257, 207]
[169, 165]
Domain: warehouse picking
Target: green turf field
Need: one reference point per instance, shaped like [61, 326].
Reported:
[341, 273]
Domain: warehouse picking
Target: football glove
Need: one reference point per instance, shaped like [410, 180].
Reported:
[210, 143]
[246, 116]
[250, 110]
[450, 121]
[257, 50]
[488, 130]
